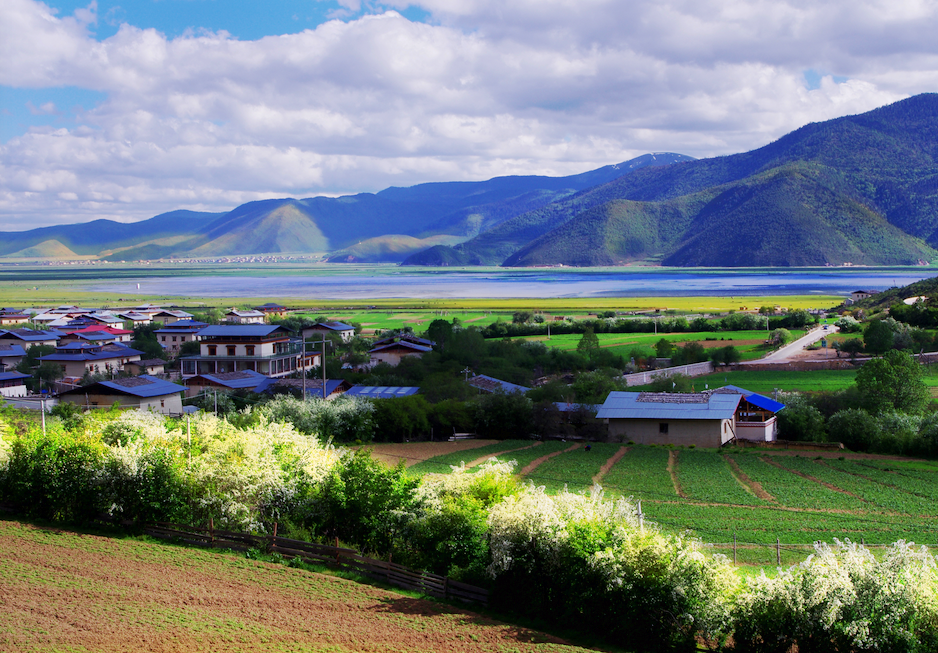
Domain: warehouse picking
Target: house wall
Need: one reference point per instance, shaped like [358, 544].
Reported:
[697, 432]
[13, 391]
[392, 358]
[167, 404]
[758, 431]
[260, 348]
[311, 331]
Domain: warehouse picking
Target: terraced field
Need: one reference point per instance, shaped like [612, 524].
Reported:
[759, 497]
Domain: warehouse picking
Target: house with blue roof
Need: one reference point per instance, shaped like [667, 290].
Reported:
[173, 336]
[135, 392]
[10, 356]
[268, 349]
[702, 419]
[27, 338]
[346, 331]
[77, 358]
[13, 384]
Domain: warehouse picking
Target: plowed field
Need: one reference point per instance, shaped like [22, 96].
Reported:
[63, 591]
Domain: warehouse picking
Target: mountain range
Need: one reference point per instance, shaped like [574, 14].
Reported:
[855, 190]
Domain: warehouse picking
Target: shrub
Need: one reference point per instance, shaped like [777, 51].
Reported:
[843, 599]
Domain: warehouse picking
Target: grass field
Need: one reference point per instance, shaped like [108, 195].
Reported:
[795, 497]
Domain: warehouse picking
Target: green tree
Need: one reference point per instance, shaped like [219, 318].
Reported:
[801, 421]
[663, 348]
[893, 382]
[521, 317]
[878, 337]
[780, 337]
[855, 428]
[401, 418]
[589, 344]
[726, 355]
[851, 346]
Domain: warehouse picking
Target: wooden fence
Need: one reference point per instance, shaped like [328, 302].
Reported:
[385, 571]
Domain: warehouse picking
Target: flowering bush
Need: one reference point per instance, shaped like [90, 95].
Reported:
[589, 563]
[345, 419]
[843, 599]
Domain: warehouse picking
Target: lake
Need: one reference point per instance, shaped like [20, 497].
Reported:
[420, 283]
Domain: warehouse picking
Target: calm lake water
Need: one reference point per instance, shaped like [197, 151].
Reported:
[604, 282]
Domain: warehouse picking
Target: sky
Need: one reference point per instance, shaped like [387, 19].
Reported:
[126, 109]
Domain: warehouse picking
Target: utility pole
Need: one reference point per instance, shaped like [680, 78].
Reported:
[467, 372]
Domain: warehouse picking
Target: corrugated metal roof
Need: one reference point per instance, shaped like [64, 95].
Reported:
[625, 405]
[490, 384]
[403, 343]
[227, 330]
[12, 376]
[235, 380]
[137, 386]
[381, 391]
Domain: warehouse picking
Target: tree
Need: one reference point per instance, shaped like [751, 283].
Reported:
[521, 317]
[851, 346]
[893, 382]
[663, 348]
[799, 420]
[589, 344]
[855, 428]
[726, 355]
[439, 332]
[780, 337]
[878, 337]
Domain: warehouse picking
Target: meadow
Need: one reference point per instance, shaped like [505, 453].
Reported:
[760, 498]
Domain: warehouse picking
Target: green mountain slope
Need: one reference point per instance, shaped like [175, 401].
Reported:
[860, 189]
[495, 245]
[92, 238]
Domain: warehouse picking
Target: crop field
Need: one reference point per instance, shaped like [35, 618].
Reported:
[749, 343]
[756, 496]
[66, 591]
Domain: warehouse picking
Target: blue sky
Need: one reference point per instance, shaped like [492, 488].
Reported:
[126, 109]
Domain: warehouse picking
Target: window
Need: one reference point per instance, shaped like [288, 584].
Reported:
[249, 349]
[231, 350]
[212, 350]
[663, 428]
[174, 338]
[163, 338]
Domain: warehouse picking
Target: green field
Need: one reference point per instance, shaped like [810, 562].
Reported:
[749, 343]
[807, 498]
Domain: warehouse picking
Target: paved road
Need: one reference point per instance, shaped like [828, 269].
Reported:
[786, 353]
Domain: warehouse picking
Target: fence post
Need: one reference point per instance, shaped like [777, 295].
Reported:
[734, 549]
[445, 588]
[273, 540]
[211, 530]
[337, 550]
[778, 552]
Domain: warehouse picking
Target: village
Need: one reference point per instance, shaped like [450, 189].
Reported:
[89, 360]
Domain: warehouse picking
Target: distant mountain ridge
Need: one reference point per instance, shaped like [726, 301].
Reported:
[385, 226]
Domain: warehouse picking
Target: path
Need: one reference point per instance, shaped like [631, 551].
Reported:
[616, 457]
[534, 464]
[789, 351]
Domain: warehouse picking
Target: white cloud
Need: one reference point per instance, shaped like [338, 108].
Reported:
[205, 121]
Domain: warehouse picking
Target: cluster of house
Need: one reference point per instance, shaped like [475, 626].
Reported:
[248, 354]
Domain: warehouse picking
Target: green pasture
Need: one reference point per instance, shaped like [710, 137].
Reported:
[417, 319]
[807, 498]
[749, 343]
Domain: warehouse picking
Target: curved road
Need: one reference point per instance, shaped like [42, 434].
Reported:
[785, 354]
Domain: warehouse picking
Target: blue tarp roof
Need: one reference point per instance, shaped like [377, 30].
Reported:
[754, 398]
[381, 391]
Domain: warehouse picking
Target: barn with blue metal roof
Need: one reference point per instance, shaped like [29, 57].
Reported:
[702, 419]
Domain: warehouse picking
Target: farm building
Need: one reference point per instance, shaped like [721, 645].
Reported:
[267, 349]
[393, 352]
[702, 419]
[77, 358]
[26, 338]
[10, 356]
[140, 392]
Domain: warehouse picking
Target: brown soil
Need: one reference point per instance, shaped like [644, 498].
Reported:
[414, 452]
[616, 457]
[755, 486]
[672, 470]
[65, 591]
[482, 459]
[534, 464]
